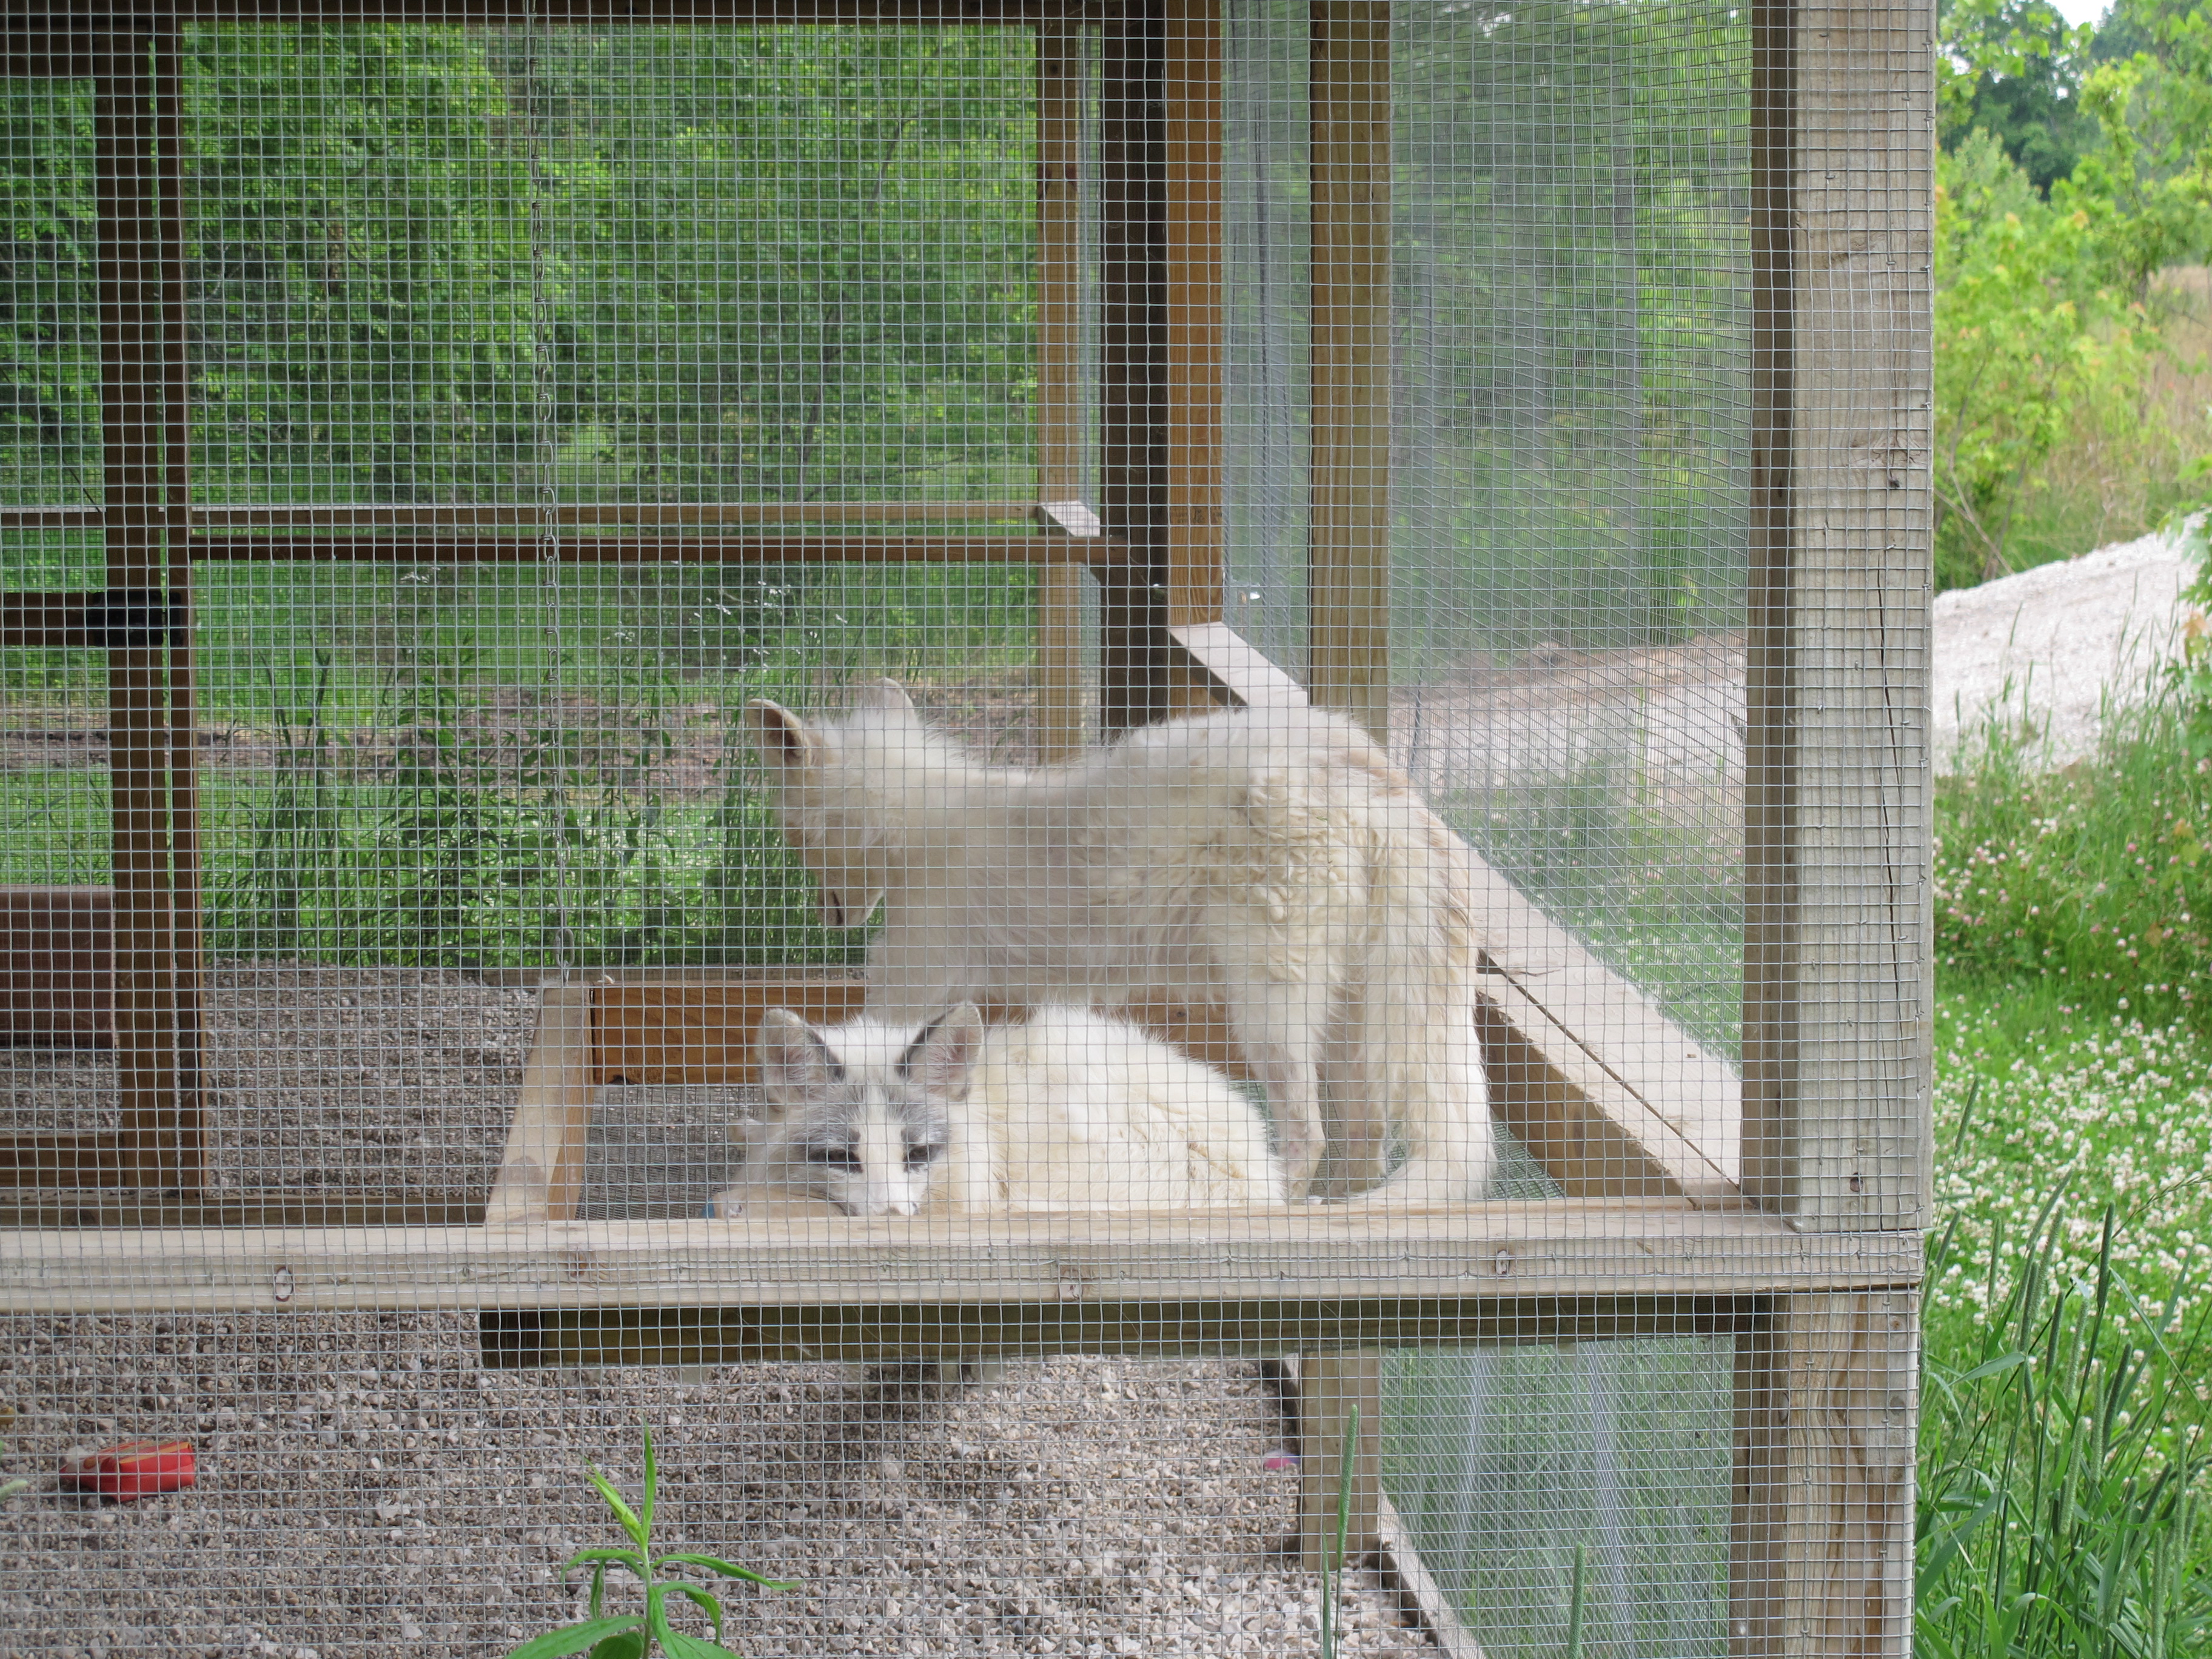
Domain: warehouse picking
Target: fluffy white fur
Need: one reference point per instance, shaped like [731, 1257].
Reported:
[1269, 860]
[1068, 1111]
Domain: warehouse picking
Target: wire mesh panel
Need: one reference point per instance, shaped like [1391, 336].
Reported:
[1042, 774]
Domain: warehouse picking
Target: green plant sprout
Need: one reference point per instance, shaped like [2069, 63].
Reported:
[1332, 1580]
[634, 1636]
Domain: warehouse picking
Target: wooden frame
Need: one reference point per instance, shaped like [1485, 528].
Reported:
[1782, 1211]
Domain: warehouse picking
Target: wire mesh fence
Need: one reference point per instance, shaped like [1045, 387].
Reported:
[1322, 923]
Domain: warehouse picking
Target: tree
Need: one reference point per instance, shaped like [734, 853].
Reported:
[2013, 69]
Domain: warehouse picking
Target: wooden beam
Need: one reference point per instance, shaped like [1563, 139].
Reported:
[1348, 514]
[757, 12]
[1331, 1384]
[56, 969]
[92, 621]
[55, 516]
[494, 515]
[65, 1210]
[1770, 814]
[1399, 1564]
[1240, 674]
[1839, 993]
[1191, 253]
[313, 515]
[1061, 84]
[541, 1171]
[1593, 1135]
[687, 1032]
[621, 1336]
[802, 1256]
[1632, 1076]
[162, 1139]
[187, 940]
[1820, 1546]
[49, 1159]
[1136, 680]
[402, 548]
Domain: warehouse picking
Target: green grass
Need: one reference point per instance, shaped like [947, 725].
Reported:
[1659, 897]
[2069, 1337]
[1507, 1464]
[2067, 1330]
[2093, 880]
[454, 767]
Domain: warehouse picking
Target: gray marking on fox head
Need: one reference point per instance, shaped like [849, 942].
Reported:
[861, 1119]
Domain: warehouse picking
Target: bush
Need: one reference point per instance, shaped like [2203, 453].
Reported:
[2033, 349]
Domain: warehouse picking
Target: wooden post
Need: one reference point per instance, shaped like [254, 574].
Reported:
[1329, 1386]
[1059, 417]
[1190, 86]
[188, 961]
[1838, 985]
[1160, 354]
[160, 1143]
[1821, 1549]
[541, 1173]
[1770, 877]
[1133, 660]
[1348, 559]
[1349, 514]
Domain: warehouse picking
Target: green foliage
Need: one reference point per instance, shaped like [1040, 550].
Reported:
[2096, 878]
[2013, 69]
[49, 299]
[801, 268]
[1573, 217]
[634, 1636]
[445, 832]
[2050, 323]
[437, 264]
[2144, 191]
[2062, 1459]
[2033, 343]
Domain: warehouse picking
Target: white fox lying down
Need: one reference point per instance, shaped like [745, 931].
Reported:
[1067, 1111]
[1269, 860]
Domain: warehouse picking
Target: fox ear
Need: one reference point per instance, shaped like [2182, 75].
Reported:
[942, 1057]
[796, 1065]
[883, 697]
[780, 735]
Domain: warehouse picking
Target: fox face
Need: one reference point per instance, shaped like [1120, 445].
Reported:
[865, 1132]
[844, 851]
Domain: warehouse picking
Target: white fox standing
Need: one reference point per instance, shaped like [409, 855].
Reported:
[1067, 1111]
[1270, 861]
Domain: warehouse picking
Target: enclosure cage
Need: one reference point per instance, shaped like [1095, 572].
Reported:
[429, 429]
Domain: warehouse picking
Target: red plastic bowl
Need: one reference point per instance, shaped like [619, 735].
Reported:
[136, 1468]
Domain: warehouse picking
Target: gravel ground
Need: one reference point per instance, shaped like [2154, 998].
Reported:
[2053, 644]
[388, 1084]
[366, 1489]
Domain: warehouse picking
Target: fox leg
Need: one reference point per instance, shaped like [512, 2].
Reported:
[1351, 1101]
[1279, 1023]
